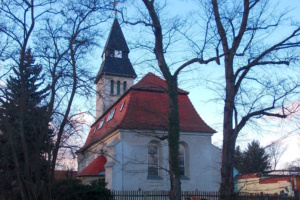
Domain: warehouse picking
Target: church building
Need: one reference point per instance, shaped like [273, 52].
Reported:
[125, 145]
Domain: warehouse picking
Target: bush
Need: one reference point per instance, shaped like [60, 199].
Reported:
[74, 190]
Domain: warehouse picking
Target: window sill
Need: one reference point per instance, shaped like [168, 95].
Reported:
[154, 177]
[184, 178]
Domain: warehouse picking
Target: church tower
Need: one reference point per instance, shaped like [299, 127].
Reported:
[116, 73]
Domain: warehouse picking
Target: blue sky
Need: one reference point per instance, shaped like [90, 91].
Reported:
[211, 111]
[201, 96]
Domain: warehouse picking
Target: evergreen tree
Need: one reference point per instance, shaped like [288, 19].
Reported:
[252, 160]
[24, 111]
[238, 158]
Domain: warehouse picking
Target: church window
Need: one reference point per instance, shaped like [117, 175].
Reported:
[111, 115]
[181, 160]
[153, 159]
[124, 86]
[118, 87]
[122, 106]
[111, 87]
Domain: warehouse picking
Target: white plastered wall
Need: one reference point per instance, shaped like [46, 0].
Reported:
[202, 163]
[127, 162]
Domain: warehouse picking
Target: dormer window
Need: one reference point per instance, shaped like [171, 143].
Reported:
[118, 54]
[122, 106]
[101, 123]
[111, 115]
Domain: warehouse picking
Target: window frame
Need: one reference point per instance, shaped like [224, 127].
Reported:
[182, 154]
[155, 160]
[124, 86]
[156, 165]
[112, 87]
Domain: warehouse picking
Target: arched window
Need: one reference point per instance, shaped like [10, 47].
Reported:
[111, 87]
[153, 159]
[124, 86]
[182, 160]
[118, 87]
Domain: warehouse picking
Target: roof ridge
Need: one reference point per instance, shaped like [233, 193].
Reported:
[152, 82]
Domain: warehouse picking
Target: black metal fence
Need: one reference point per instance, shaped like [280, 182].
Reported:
[192, 195]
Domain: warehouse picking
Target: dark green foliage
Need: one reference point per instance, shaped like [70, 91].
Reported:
[238, 158]
[74, 190]
[252, 160]
[25, 89]
[23, 110]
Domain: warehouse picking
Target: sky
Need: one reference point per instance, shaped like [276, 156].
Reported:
[270, 130]
[283, 131]
[211, 112]
[201, 95]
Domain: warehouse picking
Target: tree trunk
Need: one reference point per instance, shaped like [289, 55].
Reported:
[173, 115]
[173, 140]
[17, 165]
[229, 136]
[227, 181]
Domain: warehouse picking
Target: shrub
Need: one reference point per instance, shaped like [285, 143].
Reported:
[74, 190]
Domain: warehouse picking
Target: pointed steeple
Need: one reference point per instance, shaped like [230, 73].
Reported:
[116, 39]
[115, 55]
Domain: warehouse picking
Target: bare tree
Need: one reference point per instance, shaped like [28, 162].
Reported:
[275, 151]
[241, 34]
[19, 20]
[293, 165]
[62, 33]
[162, 39]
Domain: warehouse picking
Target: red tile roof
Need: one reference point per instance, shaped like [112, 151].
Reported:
[274, 180]
[146, 108]
[95, 167]
[248, 176]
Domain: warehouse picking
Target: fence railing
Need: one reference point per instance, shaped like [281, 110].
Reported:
[192, 195]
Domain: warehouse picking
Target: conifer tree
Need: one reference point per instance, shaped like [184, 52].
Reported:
[252, 160]
[25, 134]
[238, 158]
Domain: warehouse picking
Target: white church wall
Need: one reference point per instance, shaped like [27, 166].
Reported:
[135, 163]
[216, 163]
[127, 162]
[200, 163]
[117, 172]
